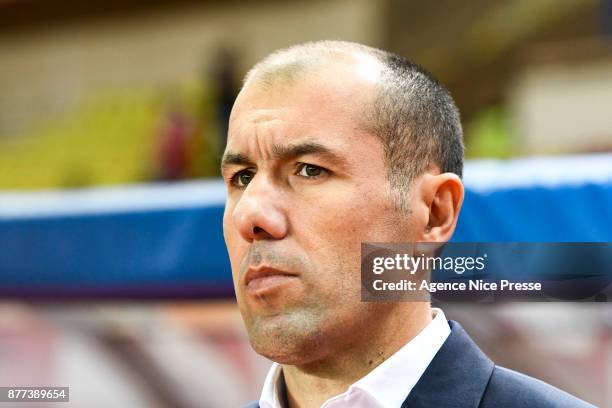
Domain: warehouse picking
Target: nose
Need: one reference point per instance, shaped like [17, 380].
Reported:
[259, 214]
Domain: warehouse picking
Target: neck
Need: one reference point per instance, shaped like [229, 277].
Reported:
[310, 385]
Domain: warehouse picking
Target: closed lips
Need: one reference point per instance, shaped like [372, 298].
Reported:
[264, 272]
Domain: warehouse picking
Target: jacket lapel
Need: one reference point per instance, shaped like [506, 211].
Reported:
[456, 377]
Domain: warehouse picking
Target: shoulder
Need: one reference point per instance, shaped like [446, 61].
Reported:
[509, 388]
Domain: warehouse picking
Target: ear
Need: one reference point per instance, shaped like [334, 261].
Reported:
[443, 195]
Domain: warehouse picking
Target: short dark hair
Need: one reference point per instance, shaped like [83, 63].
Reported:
[413, 115]
[418, 123]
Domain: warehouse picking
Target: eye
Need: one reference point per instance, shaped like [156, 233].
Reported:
[310, 170]
[242, 178]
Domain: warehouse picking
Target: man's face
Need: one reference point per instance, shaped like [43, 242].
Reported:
[305, 187]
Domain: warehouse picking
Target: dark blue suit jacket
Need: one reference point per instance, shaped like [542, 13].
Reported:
[462, 376]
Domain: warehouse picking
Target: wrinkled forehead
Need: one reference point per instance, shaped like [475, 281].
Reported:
[335, 96]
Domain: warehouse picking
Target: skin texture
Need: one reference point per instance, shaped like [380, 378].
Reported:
[310, 221]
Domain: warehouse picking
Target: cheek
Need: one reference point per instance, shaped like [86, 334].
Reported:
[338, 223]
[227, 222]
[236, 246]
[353, 216]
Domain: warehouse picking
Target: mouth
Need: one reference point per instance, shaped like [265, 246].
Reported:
[265, 278]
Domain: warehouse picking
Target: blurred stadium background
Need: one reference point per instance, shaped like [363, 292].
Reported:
[113, 273]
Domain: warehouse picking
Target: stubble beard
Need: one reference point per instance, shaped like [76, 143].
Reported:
[291, 337]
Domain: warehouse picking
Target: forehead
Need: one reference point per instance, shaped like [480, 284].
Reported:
[326, 102]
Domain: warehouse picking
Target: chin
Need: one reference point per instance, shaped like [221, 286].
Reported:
[286, 357]
[287, 343]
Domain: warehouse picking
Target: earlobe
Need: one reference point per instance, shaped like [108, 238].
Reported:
[445, 195]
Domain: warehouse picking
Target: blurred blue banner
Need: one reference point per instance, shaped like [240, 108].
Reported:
[166, 241]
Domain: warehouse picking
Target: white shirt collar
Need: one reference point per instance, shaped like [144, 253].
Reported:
[389, 384]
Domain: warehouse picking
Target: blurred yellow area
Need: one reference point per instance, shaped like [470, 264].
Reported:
[108, 139]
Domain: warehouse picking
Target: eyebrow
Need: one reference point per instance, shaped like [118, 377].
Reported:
[284, 153]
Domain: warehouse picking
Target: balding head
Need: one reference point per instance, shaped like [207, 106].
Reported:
[414, 117]
[288, 65]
